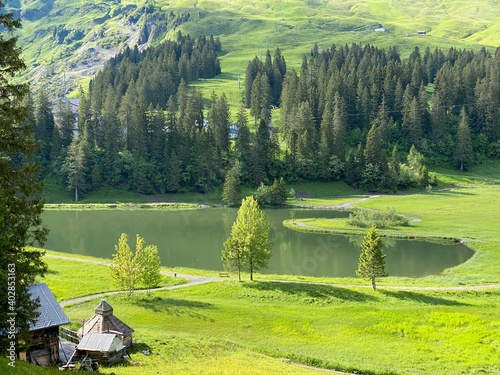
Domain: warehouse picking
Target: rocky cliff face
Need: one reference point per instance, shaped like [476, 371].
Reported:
[73, 38]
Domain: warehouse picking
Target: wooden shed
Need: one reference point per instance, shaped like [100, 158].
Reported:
[42, 346]
[104, 348]
[104, 321]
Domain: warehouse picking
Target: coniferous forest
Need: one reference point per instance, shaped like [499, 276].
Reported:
[356, 113]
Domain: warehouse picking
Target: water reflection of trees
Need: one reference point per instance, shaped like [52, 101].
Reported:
[194, 238]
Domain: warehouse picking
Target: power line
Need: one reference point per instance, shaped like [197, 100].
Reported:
[357, 114]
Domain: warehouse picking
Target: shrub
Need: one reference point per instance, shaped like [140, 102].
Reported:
[381, 219]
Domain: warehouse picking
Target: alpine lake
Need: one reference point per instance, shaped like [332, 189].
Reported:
[194, 239]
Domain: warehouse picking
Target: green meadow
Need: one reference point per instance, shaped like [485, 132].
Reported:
[229, 327]
[442, 324]
[97, 31]
[248, 29]
[350, 329]
[252, 327]
[93, 277]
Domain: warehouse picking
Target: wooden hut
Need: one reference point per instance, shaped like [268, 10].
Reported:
[42, 345]
[104, 321]
[104, 348]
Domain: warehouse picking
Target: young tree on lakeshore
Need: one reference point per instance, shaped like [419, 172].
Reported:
[124, 266]
[129, 268]
[149, 264]
[20, 201]
[371, 262]
[248, 246]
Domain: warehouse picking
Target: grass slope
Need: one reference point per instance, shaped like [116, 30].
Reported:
[94, 277]
[248, 328]
[98, 30]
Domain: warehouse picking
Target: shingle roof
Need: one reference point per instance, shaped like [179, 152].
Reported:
[103, 308]
[51, 314]
[104, 321]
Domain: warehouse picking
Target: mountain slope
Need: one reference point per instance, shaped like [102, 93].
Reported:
[76, 37]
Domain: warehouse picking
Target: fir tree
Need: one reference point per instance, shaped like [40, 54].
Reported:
[21, 204]
[232, 186]
[75, 165]
[261, 98]
[371, 264]
[326, 140]
[339, 127]
[44, 127]
[463, 147]
[65, 121]
[242, 147]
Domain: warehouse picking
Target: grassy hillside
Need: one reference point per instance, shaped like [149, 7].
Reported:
[76, 37]
[250, 327]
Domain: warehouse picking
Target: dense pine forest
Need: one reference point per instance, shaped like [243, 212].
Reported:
[357, 113]
[370, 117]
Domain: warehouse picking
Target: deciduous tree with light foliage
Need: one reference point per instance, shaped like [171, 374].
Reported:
[149, 266]
[372, 260]
[248, 247]
[124, 266]
[130, 268]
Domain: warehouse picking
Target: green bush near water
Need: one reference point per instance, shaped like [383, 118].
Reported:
[381, 219]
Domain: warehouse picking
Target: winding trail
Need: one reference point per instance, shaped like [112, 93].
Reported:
[193, 280]
[337, 207]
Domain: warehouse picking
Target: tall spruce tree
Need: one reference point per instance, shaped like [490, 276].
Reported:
[253, 68]
[262, 155]
[232, 186]
[65, 121]
[261, 98]
[242, 147]
[75, 164]
[463, 146]
[371, 263]
[339, 127]
[45, 127]
[20, 201]
[325, 144]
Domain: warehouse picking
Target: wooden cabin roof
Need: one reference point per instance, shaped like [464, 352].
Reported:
[50, 312]
[104, 321]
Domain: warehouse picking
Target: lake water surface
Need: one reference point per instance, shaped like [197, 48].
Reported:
[194, 239]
